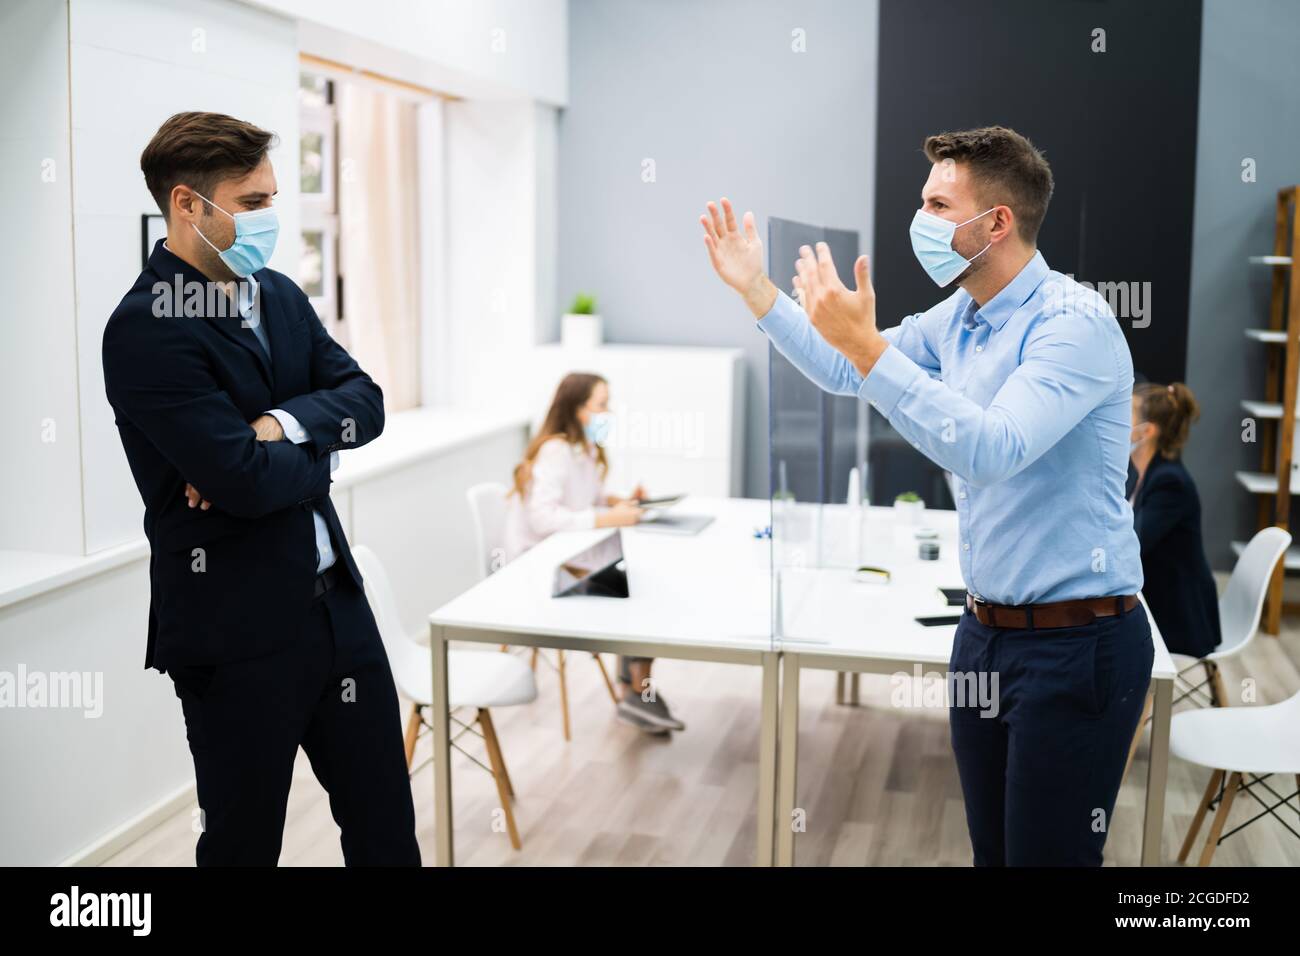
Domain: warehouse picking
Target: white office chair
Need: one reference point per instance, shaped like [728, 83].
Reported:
[476, 679]
[1240, 608]
[1247, 744]
[487, 508]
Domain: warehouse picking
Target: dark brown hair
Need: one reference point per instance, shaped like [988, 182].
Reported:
[200, 150]
[1172, 409]
[573, 392]
[1006, 168]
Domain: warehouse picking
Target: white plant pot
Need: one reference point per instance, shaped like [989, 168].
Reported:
[580, 331]
[909, 512]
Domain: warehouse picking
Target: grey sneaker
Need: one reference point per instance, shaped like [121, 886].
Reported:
[632, 717]
[653, 712]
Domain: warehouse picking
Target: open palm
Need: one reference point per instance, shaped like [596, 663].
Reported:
[737, 256]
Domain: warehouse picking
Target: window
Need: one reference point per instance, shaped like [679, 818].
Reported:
[369, 202]
[318, 272]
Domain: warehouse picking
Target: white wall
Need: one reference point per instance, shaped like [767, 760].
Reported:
[135, 63]
[40, 502]
[478, 48]
[500, 223]
[70, 779]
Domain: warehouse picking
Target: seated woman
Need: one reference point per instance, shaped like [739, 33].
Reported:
[1178, 586]
[560, 486]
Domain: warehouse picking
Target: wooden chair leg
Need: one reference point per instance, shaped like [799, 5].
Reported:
[1211, 789]
[1220, 818]
[1137, 734]
[1218, 688]
[609, 684]
[839, 686]
[504, 790]
[412, 732]
[533, 664]
[564, 692]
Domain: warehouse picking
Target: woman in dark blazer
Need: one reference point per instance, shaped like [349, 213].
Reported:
[1178, 586]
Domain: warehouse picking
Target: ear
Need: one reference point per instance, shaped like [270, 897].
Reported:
[1004, 223]
[186, 203]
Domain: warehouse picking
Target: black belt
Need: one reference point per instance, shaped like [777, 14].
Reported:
[326, 580]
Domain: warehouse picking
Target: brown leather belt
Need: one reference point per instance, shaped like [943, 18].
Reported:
[1074, 613]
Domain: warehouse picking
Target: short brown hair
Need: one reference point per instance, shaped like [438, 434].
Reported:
[1172, 409]
[200, 150]
[1005, 166]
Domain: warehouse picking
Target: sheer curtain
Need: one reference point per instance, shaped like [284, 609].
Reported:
[379, 238]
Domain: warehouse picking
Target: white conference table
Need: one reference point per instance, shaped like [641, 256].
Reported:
[700, 597]
[830, 621]
[709, 597]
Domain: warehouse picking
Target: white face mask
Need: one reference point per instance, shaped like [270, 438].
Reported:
[1135, 445]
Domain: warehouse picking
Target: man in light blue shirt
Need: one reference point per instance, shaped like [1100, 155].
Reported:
[1019, 384]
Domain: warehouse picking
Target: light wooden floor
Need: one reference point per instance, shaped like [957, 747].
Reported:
[878, 783]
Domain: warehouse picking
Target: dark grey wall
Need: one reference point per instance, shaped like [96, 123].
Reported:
[715, 95]
[1250, 88]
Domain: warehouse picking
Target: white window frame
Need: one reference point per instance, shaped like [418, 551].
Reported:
[319, 211]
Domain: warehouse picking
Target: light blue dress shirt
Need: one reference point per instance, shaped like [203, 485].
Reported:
[293, 429]
[1026, 402]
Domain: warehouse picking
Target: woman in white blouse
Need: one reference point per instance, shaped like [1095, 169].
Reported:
[560, 486]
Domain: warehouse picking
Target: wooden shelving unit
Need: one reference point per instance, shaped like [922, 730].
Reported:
[1277, 480]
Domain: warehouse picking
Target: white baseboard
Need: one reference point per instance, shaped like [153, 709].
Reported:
[116, 840]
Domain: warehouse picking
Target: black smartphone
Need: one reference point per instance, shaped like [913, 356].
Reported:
[956, 597]
[938, 620]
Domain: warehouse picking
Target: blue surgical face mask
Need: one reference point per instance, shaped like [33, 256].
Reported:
[255, 234]
[597, 428]
[932, 243]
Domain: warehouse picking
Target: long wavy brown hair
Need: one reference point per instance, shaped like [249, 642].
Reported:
[573, 392]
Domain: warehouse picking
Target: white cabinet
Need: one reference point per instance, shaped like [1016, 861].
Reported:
[679, 413]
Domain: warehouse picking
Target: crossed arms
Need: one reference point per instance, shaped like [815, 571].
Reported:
[177, 403]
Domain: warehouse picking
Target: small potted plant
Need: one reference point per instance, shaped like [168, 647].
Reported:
[581, 325]
[908, 507]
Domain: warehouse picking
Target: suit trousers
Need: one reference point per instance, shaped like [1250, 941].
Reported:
[1041, 753]
[330, 692]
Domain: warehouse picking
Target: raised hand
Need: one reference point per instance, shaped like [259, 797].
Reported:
[845, 318]
[737, 256]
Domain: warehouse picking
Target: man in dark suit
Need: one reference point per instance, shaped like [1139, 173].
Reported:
[233, 402]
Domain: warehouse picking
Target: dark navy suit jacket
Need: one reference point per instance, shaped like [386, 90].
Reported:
[234, 581]
[1178, 585]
